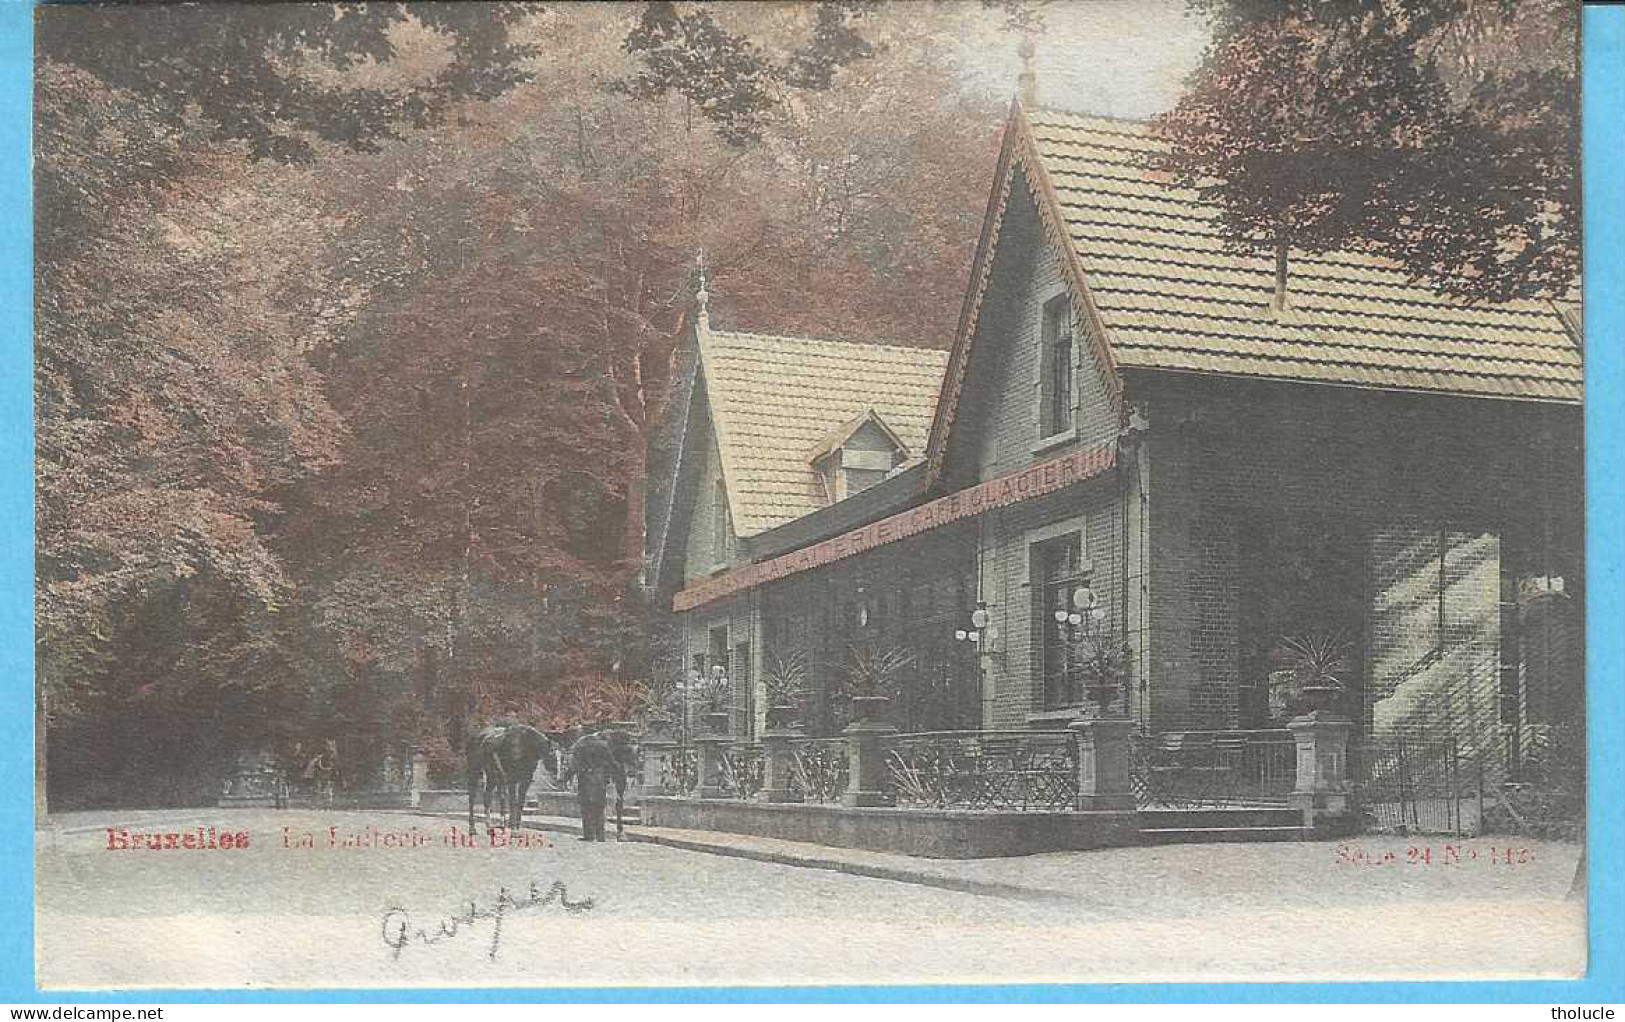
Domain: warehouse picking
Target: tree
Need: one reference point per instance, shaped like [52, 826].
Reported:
[173, 394]
[1442, 134]
[355, 442]
[728, 78]
[279, 78]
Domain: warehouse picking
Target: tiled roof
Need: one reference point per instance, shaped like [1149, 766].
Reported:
[774, 399]
[1171, 297]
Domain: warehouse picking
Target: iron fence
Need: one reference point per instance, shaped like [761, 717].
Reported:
[741, 773]
[1011, 771]
[681, 770]
[818, 769]
[1213, 769]
[1409, 784]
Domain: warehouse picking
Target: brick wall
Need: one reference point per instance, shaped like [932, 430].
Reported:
[999, 420]
[1423, 488]
[1002, 401]
[1095, 509]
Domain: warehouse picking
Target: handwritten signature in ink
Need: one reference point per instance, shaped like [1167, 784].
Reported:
[398, 931]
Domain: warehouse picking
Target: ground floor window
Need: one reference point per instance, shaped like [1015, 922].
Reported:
[1056, 572]
[902, 613]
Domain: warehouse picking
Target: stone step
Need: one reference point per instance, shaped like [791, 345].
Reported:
[630, 815]
[1201, 835]
[1259, 816]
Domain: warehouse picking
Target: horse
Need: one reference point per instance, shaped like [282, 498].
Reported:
[503, 757]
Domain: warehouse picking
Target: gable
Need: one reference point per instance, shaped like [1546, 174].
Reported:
[666, 516]
[709, 538]
[1004, 414]
[1155, 288]
[872, 436]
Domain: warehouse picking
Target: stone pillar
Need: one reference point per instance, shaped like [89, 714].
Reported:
[1103, 764]
[709, 782]
[1322, 782]
[866, 763]
[776, 760]
[420, 777]
[657, 753]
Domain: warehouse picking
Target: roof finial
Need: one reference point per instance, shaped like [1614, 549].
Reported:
[1027, 82]
[701, 295]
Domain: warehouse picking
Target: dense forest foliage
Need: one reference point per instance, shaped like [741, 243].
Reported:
[350, 339]
[353, 323]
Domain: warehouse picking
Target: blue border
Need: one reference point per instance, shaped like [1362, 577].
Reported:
[1604, 109]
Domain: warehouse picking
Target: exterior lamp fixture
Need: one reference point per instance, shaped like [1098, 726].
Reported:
[1084, 599]
[981, 631]
[1084, 602]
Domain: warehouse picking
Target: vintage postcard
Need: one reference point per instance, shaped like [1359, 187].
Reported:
[663, 494]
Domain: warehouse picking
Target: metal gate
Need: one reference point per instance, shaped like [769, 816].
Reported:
[1411, 785]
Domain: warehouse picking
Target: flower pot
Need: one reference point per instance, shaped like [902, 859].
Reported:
[1320, 698]
[714, 723]
[659, 729]
[1101, 693]
[871, 709]
[781, 716]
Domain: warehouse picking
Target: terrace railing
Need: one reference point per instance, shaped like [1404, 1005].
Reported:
[1011, 771]
[1410, 784]
[1213, 769]
[683, 767]
[818, 769]
[741, 775]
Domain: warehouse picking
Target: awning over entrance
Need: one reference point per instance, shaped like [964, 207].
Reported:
[1024, 484]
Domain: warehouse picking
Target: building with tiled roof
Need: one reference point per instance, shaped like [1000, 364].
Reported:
[1139, 443]
[1172, 296]
[779, 405]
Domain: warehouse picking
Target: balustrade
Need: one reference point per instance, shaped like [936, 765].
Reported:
[818, 769]
[1213, 769]
[1006, 771]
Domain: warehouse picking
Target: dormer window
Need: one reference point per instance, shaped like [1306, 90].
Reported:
[859, 479]
[1055, 409]
[858, 455]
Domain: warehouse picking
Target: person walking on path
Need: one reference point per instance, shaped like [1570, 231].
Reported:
[593, 766]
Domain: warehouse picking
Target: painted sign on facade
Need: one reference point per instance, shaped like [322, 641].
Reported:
[1032, 481]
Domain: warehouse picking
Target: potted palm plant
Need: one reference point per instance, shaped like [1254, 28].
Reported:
[1312, 673]
[786, 684]
[662, 708]
[1100, 659]
[875, 677]
[712, 694]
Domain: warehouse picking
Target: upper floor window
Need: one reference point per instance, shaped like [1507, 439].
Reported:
[1055, 412]
[859, 479]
